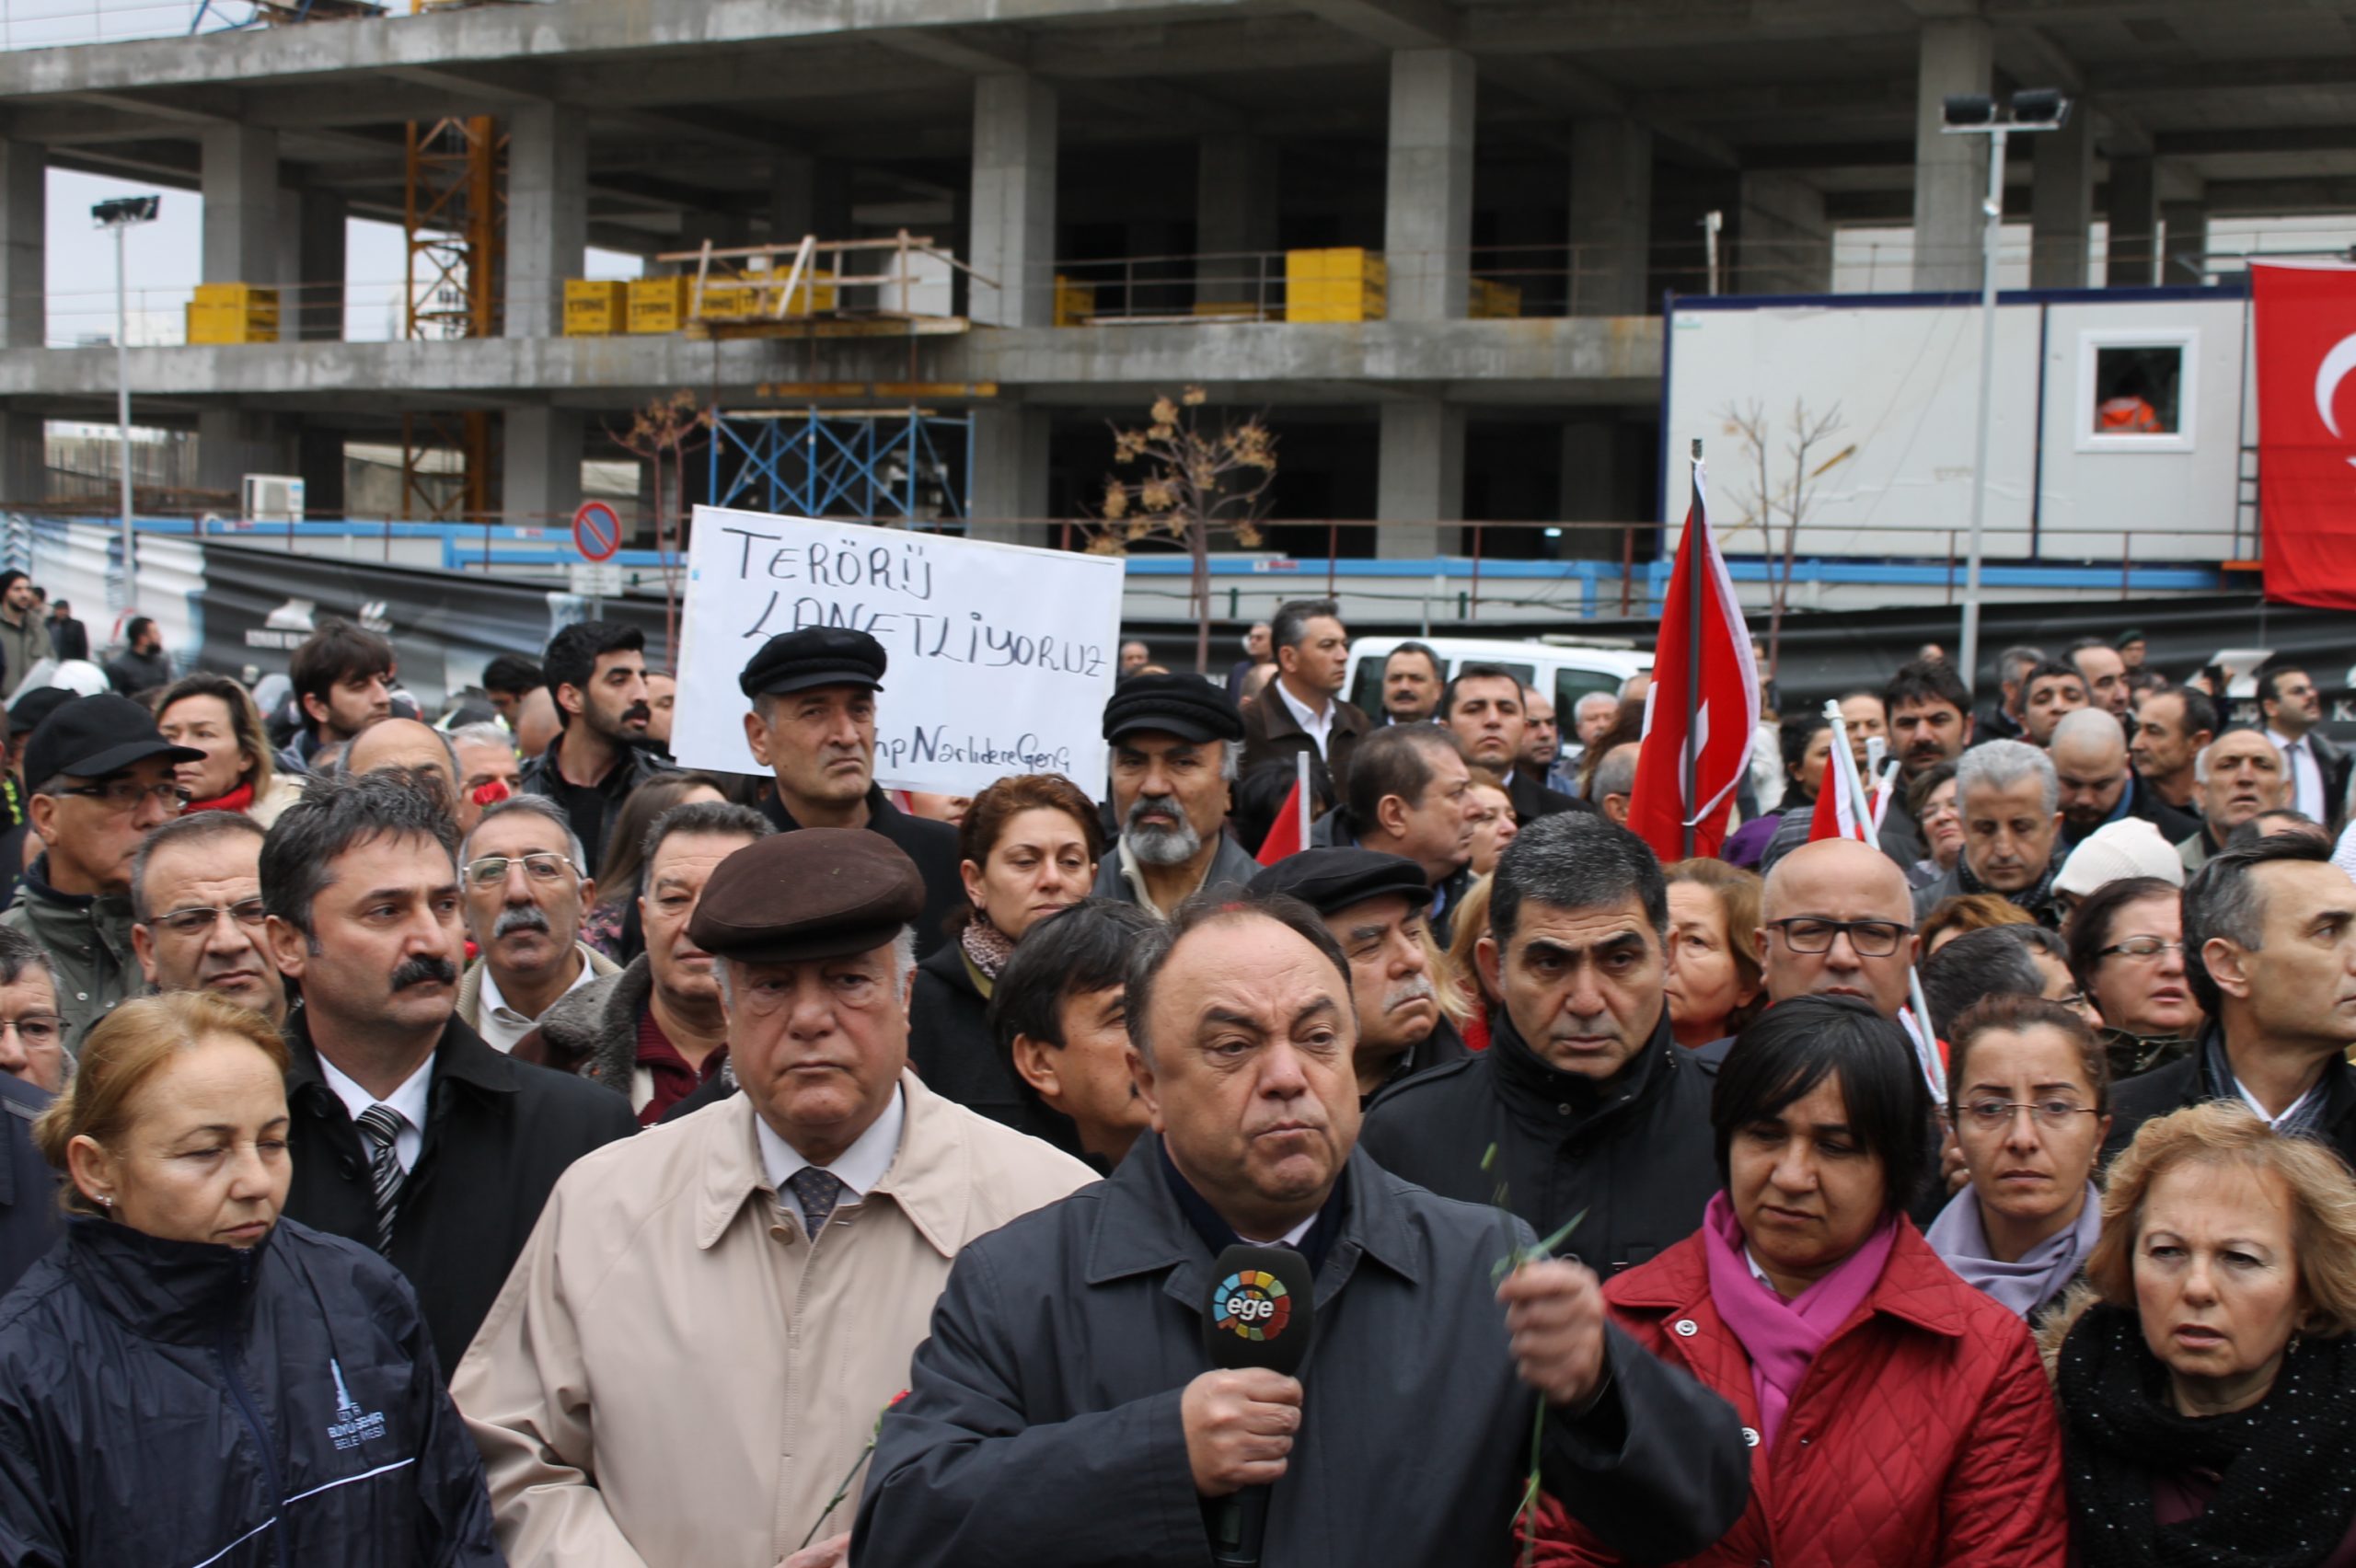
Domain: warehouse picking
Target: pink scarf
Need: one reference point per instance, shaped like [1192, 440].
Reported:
[1783, 1337]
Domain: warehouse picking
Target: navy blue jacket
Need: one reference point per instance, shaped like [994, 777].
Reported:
[28, 1212]
[178, 1402]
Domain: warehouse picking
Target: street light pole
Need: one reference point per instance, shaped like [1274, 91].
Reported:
[1992, 227]
[120, 215]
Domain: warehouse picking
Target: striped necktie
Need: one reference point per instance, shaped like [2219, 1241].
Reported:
[381, 1125]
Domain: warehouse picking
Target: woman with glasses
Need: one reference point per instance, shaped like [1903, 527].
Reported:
[2127, 948]
[2028, 1103]
[214, 714]
[2207, 1379]
[1931, 799]
[1897, 1416]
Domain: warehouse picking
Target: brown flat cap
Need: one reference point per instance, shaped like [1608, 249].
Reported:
[813, 892]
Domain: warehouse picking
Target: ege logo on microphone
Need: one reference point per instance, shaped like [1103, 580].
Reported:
[1252, 1305]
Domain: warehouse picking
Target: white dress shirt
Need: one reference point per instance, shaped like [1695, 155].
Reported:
[857, 1168]
[502, 1026]
[2267, 1116]
[409, 1100]
[2307, 777]
[1318, 726]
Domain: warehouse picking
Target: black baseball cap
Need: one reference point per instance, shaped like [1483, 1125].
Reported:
[31, 706]
[97, 737]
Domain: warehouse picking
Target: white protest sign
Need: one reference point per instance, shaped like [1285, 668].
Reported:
[1001, 657]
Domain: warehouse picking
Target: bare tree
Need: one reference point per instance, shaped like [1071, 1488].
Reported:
[1764, 500]
[664, 432]
[1194, 483]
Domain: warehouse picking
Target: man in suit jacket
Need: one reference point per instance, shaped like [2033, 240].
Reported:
[2291, 708]
[1483, 707]
[1302, 707]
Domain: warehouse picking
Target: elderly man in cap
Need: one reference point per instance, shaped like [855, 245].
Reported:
[1064, 1409]
[691, 1355]
[1375, 905]
[101, 776]
[813, 726]
[1175, 741]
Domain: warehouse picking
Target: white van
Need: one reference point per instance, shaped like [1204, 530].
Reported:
[1569, 667]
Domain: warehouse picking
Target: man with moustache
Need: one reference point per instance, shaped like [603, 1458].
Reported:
[1411, 684]
[1175, 741]
[526, 893]
[1929, 712]
[197, 912]
[595, 672]
[407, 1132]
[2240, 774]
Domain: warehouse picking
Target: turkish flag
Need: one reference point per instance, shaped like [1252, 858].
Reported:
[1710, 708]
[2306, 430]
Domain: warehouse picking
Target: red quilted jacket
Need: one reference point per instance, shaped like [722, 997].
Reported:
[1924, 1432]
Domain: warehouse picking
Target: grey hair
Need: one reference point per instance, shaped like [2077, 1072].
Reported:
[2224, 899]
[2017, 661]
[2000, 765]
[539, 806]
[191, 831]
[2091, 724]
[904, 964]
[449, 750]
[481, 735]
[20, 953]
[1575, 860]
[336, 814]
[1603, 696]
[1289, 625]
[1616, 774]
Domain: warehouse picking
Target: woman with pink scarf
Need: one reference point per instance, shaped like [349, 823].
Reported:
[1897, 1416]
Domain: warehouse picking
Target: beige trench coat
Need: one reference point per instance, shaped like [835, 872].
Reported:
[675, 1376]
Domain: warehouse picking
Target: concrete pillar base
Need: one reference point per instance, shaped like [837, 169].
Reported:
[540, 467]
[2131, 204]
[319, 271]
[2061, 203]
[241, 230]
[1235, 219]
[1427, 212]
[1611, 217]
[1419, 484]
[24, 244]
[24, 461]
[1014, 202]
[321, 465]
[1957, 55]
[2184, 245]
[231, 443]
[548, 216]
[1782, 244]
[1009, 499]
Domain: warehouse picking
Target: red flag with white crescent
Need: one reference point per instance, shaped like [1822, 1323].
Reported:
[1709, 709]
[2304, 348]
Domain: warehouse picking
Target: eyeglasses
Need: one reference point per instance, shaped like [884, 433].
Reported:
[539, 868]
[2141, 949]
[1871, 938]
[124, 794]
[36, 1029]
[1993, 1116]
[197, 919]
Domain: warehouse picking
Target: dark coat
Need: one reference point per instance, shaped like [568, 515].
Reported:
[1636, 1159]
[539, 776]
[498, 1134]
[132, 673]
[1444, 1044]
[950, 1044]
[2177, 1085]
[931, 845]
[28, 1212]
[174, 1401]
[1531, 798]
[1272, 735]
[68, 638]
[2176, 824]
[1043, 1421]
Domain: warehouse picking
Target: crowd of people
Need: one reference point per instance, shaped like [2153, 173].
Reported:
[469, 1137]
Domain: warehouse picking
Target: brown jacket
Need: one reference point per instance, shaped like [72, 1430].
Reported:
[674, 1374]
[1272, 735]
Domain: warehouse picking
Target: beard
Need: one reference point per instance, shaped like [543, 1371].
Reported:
[1159, 833]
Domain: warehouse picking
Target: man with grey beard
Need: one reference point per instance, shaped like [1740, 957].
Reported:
[526, 891]
[1174, 741]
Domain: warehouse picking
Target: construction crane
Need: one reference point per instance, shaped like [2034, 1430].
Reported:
[454, 220]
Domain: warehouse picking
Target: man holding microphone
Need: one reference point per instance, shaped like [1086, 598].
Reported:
[1062, 1408]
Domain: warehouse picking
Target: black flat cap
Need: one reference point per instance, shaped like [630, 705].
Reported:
[815, 656]
[93, 737]
[812, 892]
[1185, 705]
[31, 706]
[1330, 880]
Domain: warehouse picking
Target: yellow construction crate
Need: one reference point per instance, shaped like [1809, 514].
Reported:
[658, 305]
[233, 313]
[729, 302]
[815, 294]
[1075, 302]
[1493, 301]
[1344, 284]
[595, 308]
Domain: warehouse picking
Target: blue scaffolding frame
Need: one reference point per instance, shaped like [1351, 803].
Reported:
[819, 461]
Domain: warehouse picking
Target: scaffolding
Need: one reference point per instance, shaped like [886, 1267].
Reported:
[454, 222]
[862, 465]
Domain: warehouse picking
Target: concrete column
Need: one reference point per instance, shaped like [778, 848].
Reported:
[1235, 213]
[23, 460]
[1014, 201]
[321, 462]
[2061, 196]
[2131, 204]
[319, 267]
[1611, 217]
[1781, 243]
[547, 217]
[1419, 478]
[1598, 485]
[2184, 244]
[240, 179]
[1009, 497]
[1957, 55]
[23, 245]
[809, 195]
[1427, 210]
[540, 464]
[231, 443]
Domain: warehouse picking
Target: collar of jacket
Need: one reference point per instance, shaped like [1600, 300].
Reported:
[930, 1180]
[36, 883]
[1528, 1084]
[2338, 1083]
[461, 1057]
[1140, 1229]
[880, 809]
[634, 766]
[178, 1292]
[1916, 1286]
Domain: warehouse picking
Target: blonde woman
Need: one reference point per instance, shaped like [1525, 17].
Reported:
[214, 715]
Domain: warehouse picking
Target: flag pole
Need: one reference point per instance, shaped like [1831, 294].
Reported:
[1301, 788]
[1691, 550]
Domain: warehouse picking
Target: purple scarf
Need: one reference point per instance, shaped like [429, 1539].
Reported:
[1960, 1238]
[1783, 1337]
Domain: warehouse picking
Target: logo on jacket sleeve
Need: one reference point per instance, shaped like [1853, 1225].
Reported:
[351, 1425]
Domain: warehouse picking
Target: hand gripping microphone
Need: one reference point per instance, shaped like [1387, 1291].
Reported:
[1258, 1314]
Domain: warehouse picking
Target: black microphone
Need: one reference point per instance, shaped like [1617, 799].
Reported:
[1258, 1314]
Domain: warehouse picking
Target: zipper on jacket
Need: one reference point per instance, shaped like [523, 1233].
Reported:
[223, 1349]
